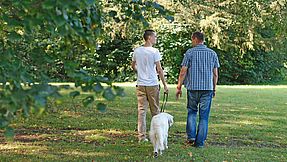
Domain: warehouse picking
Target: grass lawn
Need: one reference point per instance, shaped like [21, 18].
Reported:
[247, 123]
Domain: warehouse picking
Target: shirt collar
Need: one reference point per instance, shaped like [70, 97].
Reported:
[200, 45]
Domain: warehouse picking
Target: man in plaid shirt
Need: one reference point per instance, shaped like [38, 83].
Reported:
[199, 74]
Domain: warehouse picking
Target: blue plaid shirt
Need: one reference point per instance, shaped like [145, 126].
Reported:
[200, 62]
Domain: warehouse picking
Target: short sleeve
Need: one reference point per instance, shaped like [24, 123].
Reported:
[157, 56]
[134, 56]
[216, 62]
[185, 61]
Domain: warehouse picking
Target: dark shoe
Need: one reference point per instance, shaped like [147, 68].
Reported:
[190, 142]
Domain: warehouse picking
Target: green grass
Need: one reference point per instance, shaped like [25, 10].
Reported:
[247, 123]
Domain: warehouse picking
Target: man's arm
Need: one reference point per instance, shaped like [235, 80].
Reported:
[133, 65]
[181, 78]
[215, 79]
[161, 75]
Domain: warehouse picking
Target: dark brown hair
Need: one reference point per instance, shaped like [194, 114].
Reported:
[148, 33]
[198, 35]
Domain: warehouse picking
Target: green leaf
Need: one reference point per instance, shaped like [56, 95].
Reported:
[112, 13]
[65, 86]
[88, 100]
[74, 94]
[48, 4]
[108, 94]
[86, 88]
[145, 23]
[98, 88]
[62, 30]
[170, 18]
[59, 20]
[103, 79]
[9, 133]
[90, 2]
[101, 107]
[13, 36]
[119, 91]
[40, 101]
[3, 123]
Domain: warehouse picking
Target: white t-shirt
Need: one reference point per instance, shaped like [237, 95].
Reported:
[145, 58]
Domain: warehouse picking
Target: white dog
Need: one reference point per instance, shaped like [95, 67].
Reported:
[159, 131]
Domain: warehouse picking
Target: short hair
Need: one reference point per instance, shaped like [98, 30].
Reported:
[198, 35]
[148, 33]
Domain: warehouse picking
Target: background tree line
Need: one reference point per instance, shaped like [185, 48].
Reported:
[249, 37]
[90, 42]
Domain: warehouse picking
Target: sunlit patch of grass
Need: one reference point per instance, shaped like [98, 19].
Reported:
[22, 148]
[71, 114]
[254, 87]
[86, 154]
[96, 137]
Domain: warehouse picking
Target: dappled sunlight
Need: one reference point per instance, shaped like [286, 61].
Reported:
[180, 123]
[220, 126]
[133, 84]
[249, 122]
[32, 149]
[23, 148]
[9, 146]
[175, 103]
[234, 110]
[71, 114]
[104, 135]
[88, 132]
[112, 131]
[62, 84]
[126, 84]
[96, 137]
[252, 86]
[242, 123]
[81, 154]
[245, 108]
[100, 99]
[103, 131]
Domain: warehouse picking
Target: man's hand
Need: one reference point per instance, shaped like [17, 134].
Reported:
[178, 93]
[213, 94]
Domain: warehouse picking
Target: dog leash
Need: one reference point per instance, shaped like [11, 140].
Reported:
[165, 97]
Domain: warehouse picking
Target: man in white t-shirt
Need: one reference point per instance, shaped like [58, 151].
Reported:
[146, 63]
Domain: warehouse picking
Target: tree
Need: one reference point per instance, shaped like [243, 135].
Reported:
[249, 37]
[44, 40]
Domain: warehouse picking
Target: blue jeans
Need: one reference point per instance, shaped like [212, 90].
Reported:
[198, 100]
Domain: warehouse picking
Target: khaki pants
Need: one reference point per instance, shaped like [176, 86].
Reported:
[146, 95]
